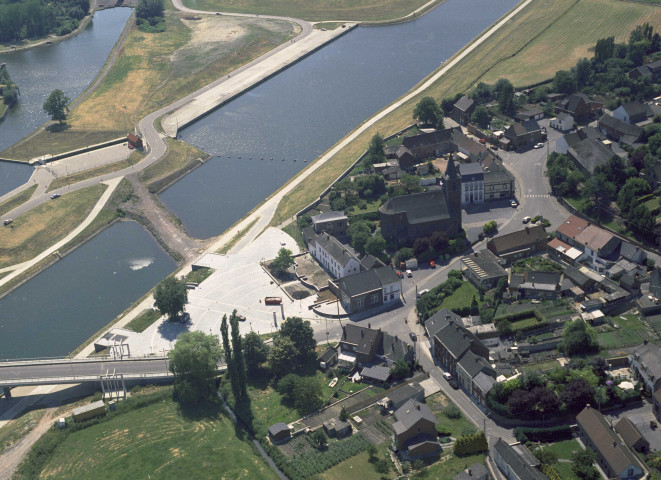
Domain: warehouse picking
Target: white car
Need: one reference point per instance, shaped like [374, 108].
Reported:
[514, 203]
[447, 376]
[422, 292]
[525, 219]
[539, 145]
[409, 273]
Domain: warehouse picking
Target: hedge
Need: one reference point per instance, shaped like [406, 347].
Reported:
[471, 444]
[550, 472]
[550, 434]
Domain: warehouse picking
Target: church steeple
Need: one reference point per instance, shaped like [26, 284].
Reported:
[453, 188]
[451, 172]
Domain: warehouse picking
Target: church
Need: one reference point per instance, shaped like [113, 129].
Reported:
[408, 217]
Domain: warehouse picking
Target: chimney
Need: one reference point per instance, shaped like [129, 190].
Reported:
[369, 325]
[418, 407]
[362, 333]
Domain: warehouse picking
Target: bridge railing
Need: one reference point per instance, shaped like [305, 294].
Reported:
[77, 379]
[67, 360]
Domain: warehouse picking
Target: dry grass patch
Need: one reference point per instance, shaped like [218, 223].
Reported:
[44, 225]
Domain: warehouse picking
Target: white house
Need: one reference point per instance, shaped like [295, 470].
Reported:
[633, 112]
[562, 122]
[336, 258]
[472, 183]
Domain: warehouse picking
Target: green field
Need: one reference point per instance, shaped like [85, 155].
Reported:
[564, 450]
[144, 320]
[458, 426]
[358, 10]
[156, 441]
[524, 323]
[631, 332]
[462, 297]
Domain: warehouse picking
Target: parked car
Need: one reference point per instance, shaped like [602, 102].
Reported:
[447, 376]
[241, 318]
[413, 336]
[409, 273]
[514, 203]
[8, 221]
[55, 195]
[539, 145]
[432, 264]
[400, 274]
[525, 219]
[454, 384]
[422, 292]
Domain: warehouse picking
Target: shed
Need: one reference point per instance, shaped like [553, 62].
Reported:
[134, 140]
[337, 428]
[90, 410]
[328, 358]
[279, 432]
[401, 395]
[377, 374]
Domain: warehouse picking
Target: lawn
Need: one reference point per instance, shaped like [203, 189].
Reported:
[199, 275]
[458, 426]
[17, 200]
[359, 10]
[144, 320]
[158, 440]
[462, 297]
[294, 231]
[451, 465]
[180, 158]
[41, 227]
[631, 332]
[357, 467]
[652, 204]
[524, 323]
[539, 16]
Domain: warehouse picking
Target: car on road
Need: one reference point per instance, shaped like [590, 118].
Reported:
[525, 219]
[55, 195]
[422, 292]
[514, 203]
[400, 274]
[413, 336]
[447, 376]
[409, 273]
[432, 264]
[539, 145]
[241, 318]
[8, 221]
[453, 383]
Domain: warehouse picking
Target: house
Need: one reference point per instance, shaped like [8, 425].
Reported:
[462, 110]
[632, 436]
[134, 140]
[368, 289]
[645, 363]
[563, 122]
[596, 243]
[561, 252]
[279, 432]
[530, 113]
[620, 131]
[337, 259]
[531, 284]
[439, 320]
[361, 342]
[452, 342]
[477, 471]
[393, 349]
[369, 262]
[468, 367]
[579, 106]
[408, 217]
[578, 278]
[589, 154]
[472, 183]
[376, 375]
[409, 391]
[522, 135]
[337, 428]
[482, 269]
[415, 430]
[516, 462]
[656, 404]
[633, 112]
[571, 227]
[405, 159]
[333, 223]
[652, 70]
[521, 244]
[613, 456]
[498, 181]
[433, 144]
[563, 143]
[328, 358]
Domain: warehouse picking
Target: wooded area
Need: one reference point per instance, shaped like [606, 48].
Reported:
[23, 19]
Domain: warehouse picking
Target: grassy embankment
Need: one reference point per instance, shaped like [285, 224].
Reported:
[144, 320]
[525, 50]
[360, 10]
[153, 69]
[149, 434]
[180, 159]
[41, 227]
[17, 200]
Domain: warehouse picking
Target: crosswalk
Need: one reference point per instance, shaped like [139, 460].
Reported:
[538, 196]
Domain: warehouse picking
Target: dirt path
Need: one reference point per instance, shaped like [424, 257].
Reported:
[12, 458]
[160, 223]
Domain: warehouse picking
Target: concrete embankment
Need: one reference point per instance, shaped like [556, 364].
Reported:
[248, 78]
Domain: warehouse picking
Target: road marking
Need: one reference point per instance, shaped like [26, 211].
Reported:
[538, 196]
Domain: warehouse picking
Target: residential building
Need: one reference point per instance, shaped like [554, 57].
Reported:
[521, 244]
[522, 135]
[579, 106]
[376, 375]
[531, 284]
[409, 391]
[563, 143]
[472, 183]
[645, 363]
[656, 404]
[438, 143]
[468, 367]
[529, 113]
[408, 217]
[571, 227]
[652, 70]
[613, 456]
[337, 259]
[516, 462]
[620, 131]
[477, 471]
[362, 342]
[498, 181]
[589, 154]
[633, 112]
[462, 110]
[561, 252]
[631, 435]
[415, 430]
[439, 320]
[334, 223]
[563, 122]
[483, 269]
[279, 432]
[578, 278]
[452, 342]
[372, 288]
[393, 349]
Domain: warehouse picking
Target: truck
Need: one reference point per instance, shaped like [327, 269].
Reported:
[412, 264]
[272, 300]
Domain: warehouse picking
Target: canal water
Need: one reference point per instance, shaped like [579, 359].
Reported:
[56, 311]
[303, 111]
[70, 65]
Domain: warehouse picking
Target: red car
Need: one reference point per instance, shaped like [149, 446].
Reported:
[400, 274]
[432, 264]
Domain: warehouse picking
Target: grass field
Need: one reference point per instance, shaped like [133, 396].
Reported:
[462, 297]
[16, 200]
[180, 157]
[458, 426]
[631, 332]
[44, 225]
[524, 323]
[153, 70]
[359, 10]
[144, 320]
[551, 18]
[564, 450]
[157, 441]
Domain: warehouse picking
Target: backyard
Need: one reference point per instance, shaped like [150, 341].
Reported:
[625, 331]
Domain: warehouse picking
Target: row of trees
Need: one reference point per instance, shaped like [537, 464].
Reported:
[24, 19]
[150, 15]
[8, 88]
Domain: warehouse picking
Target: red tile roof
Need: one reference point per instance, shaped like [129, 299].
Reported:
[572, 226]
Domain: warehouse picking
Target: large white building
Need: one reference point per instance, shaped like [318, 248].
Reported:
[472, 183]
[337, 259]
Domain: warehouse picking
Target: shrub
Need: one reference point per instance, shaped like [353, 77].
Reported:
[549, 435]
[452, 411]
[471, 444]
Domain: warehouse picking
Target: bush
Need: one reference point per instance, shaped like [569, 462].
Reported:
[471, 444]
[549, 435]
[452, 411]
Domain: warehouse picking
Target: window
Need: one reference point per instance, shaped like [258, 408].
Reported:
[374, 298]
[360, 302]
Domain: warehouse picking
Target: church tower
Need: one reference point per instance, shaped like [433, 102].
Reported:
[453, 189]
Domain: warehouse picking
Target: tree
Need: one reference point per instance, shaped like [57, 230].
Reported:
[343, 414]
[170, 297]
[579, 338]
[375, 245]
[582, 464]
[56, 105]
[359, 241]
[428, 112]
[282, 355]
[604, 49]
[238, 363]
[10, 95]
[300, 332]
[304, 393]
[490, 227]
[283, 261]
[578, 393]
[481, 117]
[505, 96]
[149, 9]
[632, 189]
[545, 456]
[564, 82]
[255, 351]
[319, 439]
[400, 370]
[193, 361]
[227, 353]
[584, 73]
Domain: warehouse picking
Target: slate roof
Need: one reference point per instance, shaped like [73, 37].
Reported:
[327, 355]
[628, 133]
[409, 414]
[655, 282]
[376, 372]
[484, 382]
[590, 153]
[405, 392]
[541, 278]
[420, 207]
[637, 109]
[439, 320]
[573, 101]
[474, 364]
[471, 172]
[562, 116]
[342, 254]
[426, 139]
[386, 275]
[464, 103]
[277, 428]
[649, 356]
[572, 226]
[517, 461]
[477, 470]
[576, 276]
[370, 261]
[608, 445]
[517, 240]
[328, 217]
[628, 251]
[629, 432]
[394, 348]
[359, 283]
[522, 128]
[363, 338]
[456, 339]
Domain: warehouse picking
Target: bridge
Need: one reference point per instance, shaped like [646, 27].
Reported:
[109, 371]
